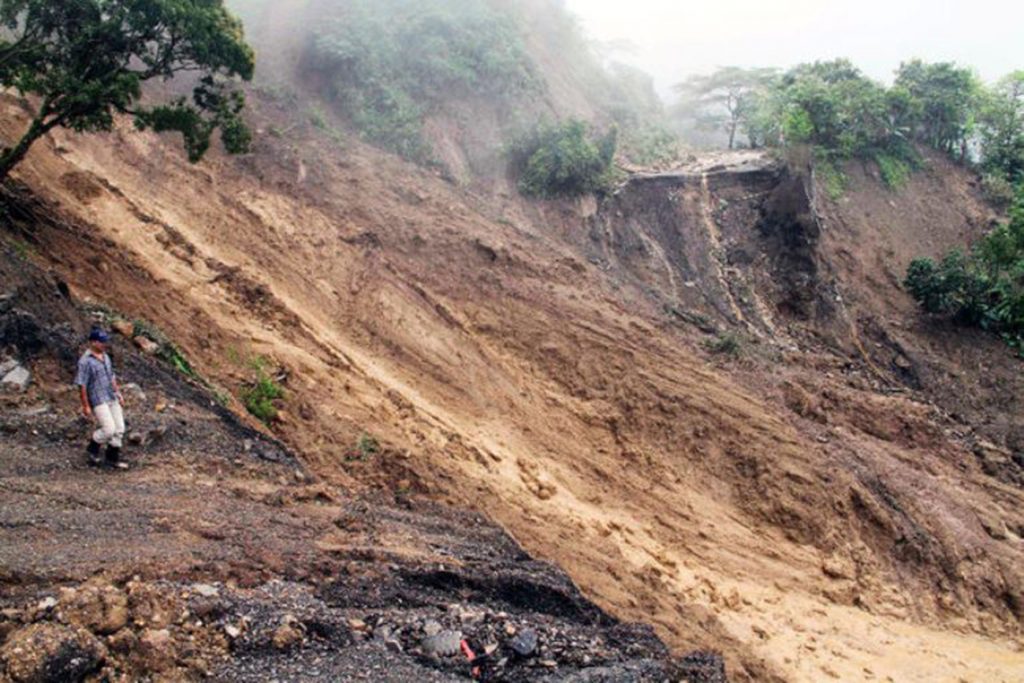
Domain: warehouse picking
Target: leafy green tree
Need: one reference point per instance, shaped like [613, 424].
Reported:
[724, 100]
[86, 60]
[1002, 129]
[946, 98]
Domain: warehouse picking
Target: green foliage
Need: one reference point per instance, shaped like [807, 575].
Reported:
[984, 288]
[259, 397]
[367, 446]
[649, 145]
[832, 178]
[86, 61]
[726, 344]
[1001, 127]
[726, 100]
[895, 170]
[564, 160]
[388, 63]
[941, 103]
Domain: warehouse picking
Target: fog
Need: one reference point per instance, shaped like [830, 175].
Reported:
[671, 39]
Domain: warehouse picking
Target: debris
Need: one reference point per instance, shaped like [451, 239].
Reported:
[205, 590]
[101, 609]
[288, 634]
[123, 328]
[156, 650]
[51, 652]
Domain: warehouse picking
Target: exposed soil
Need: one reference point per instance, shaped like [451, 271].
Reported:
[218, 556]
[825, 504]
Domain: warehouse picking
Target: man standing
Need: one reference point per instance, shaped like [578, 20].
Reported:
[101, 400]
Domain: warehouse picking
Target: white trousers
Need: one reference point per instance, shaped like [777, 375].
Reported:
[110, 418]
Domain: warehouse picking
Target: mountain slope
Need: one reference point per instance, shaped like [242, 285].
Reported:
[534, 362]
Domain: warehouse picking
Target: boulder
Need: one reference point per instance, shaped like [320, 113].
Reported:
[147, 345]
[101, 609]
[51, 653]
[123, 328]
[156, 651]
[16, 380]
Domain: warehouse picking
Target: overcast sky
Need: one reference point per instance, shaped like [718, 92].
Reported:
[673, 38]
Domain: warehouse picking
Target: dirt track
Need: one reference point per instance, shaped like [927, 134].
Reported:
[509, 371]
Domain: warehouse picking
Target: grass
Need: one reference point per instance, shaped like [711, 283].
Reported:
[895, 171]
[832, 179]
[367, 446]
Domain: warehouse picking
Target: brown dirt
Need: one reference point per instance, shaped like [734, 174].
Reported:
[536, 365]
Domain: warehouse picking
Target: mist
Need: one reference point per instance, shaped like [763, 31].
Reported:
[671, 39]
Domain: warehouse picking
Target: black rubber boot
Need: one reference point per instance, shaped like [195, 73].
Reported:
[93, 452]
[114, 457]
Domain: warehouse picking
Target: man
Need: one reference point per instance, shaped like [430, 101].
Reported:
[101, 400]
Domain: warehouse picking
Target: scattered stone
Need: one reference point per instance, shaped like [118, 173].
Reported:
[135, 439]
[7, 365]
[156, 651]
[205, 590]
[147, 345]
[48, 652]
[16, 380]
[444, 644]
[232, 631]
[358, 625]
[123, 642]
[160, 406]
[288, 634]
[525, 643]
[101, 609]
[837, 567]
[123, 328]
[46, 604]
[432, 628]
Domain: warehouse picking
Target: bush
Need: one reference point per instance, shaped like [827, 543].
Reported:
[984, 288]
[895, 170]
[564, 160]
[259, 398]
[997, 189]
[726, 344]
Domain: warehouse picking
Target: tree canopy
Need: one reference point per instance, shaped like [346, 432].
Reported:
[726, 99]
[86, 60]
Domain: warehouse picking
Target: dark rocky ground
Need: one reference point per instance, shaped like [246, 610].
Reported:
[216, 556]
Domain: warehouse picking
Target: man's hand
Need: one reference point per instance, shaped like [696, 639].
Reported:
[120, 398]
[87, 412]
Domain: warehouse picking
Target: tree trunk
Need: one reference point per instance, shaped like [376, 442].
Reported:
[12, 156]
[732, 134]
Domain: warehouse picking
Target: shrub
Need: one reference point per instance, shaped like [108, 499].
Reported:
[983, 288]
[564, 160]
[895, 170]
[367, 446]
[728, 344]
[260, 396]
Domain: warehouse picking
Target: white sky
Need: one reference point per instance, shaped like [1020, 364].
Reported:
[674, 38]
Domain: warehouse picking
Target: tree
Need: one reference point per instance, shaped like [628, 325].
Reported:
[947, 97]
[1002, 129]
[725, 99]
[86, 61]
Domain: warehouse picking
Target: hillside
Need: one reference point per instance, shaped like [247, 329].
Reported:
[704, 396]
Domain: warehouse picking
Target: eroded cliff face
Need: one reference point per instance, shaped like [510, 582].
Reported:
[799, 505]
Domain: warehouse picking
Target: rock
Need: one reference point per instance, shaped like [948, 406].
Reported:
[51, 653]
[7, 365]
[123, 328]
[837, 567]
[123, 642]
[16, 380]
[205, 590]
[147, 345]
[46, 604]
[288, 634]
[432, 628]
[101, 609]
[156, 651]
[525, 643]
[232, 631]
[357, 625]
[160, 406]
[136, 439]
[444, 644]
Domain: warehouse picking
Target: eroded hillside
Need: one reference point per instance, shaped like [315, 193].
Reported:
[826, 503]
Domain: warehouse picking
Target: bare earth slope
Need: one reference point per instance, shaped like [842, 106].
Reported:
[806, 507]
